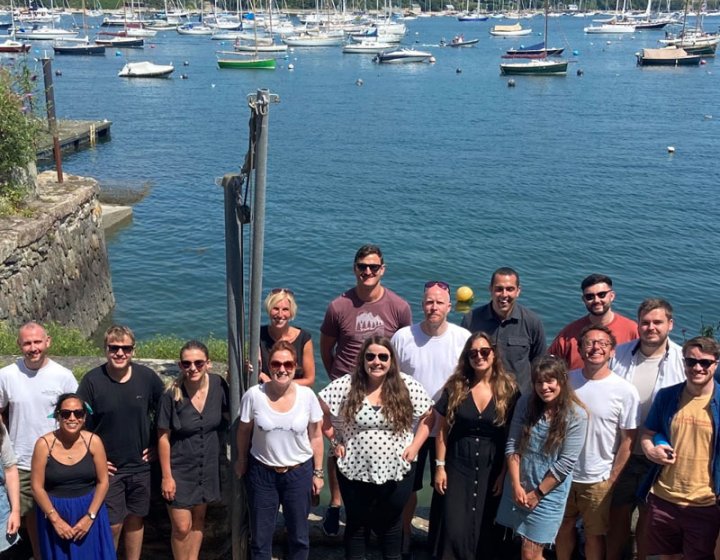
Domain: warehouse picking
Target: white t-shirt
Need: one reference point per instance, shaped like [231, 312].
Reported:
[613, 404]
[373, 451]
[280, 439]
[31, 396]
[429, 359]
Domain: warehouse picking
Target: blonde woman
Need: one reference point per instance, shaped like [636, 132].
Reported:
[475, 410]
[192, 414]
[281, 309]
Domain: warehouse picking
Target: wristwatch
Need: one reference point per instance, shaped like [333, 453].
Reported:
[91, 515]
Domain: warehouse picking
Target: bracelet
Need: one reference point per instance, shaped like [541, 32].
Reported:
[333, 444]
[49, 513]
[539, 491]
[318, 473]
[439, 463]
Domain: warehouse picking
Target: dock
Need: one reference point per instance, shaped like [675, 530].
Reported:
[74, 136]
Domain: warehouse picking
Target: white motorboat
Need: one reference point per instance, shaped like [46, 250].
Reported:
[46, 33]
[403, 55]
[313, 40]
[194, 29]
[146, 69]
[367, 47]
[259, 47]
[610, 28]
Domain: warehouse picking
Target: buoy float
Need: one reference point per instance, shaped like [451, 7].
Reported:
[464, 293]
[359, 82]
[580, 72]
[291, 67]
[58, 72]
[707, 117]
[671, 149]
[186, 63]
[183, 76]
[511, 83]
[458, 71]
[703, 62]
[118, 53]
[576, 53]
[431, 60]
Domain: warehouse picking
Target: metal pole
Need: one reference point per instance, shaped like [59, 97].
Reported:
[50, 104]
[260, 103]
[232, 183]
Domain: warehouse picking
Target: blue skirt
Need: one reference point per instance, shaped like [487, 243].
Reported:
[97, 544]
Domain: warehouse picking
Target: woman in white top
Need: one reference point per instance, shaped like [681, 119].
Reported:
[280, 455]
[373, 412]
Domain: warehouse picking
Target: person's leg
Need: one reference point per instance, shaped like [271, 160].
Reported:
[409, 509]
[594, 547]
[295, 495]
[387, 514]
[567, 537]
[137, 501]
[28, 512]
[641, 534]
[181, 521]
[358, 498]
[530, 550]
[261, 486]
[663, 533]
[594, 503]
[331, 521]
[700, 527]
[197, 531]
[619, 532]
[116, 507]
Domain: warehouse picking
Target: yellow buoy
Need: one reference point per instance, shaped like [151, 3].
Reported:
[464, 293]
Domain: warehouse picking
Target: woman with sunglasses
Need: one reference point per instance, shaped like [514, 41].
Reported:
[475, 409]
[546, 436]
[281, 309]
[280, 455]
[192, 416]
[69, 480]
[373, 412]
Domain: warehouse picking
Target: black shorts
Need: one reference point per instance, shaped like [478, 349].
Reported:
[428, 449]
[630, 479]
[129, 494]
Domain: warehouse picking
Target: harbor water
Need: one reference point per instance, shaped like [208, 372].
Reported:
[449, 170]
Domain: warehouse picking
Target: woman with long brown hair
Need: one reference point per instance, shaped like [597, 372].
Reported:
[373, 412]
[546, 436]
[475, 411]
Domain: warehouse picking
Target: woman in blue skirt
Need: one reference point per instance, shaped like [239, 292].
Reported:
[546, 436]
[69, 478]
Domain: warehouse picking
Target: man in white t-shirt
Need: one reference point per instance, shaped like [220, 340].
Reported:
[29, 390]
[429, 351]
[612, 404]
[650, 364]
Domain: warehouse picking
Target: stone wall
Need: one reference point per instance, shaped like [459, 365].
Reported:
[54, 264]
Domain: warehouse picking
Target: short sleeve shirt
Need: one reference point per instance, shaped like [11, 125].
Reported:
[373, 451]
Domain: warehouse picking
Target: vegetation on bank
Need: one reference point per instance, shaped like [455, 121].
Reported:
[18, 134]
[69, 342]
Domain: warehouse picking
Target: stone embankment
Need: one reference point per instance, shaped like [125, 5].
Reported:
[54, 264]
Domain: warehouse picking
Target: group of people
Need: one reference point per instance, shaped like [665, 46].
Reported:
[526, 443]
[77, 458]
[529, 446]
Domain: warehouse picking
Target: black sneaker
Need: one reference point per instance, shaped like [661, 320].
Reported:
[331, 522]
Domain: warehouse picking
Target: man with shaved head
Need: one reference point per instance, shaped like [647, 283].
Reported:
[29, 389]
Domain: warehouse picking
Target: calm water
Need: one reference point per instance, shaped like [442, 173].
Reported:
[452, 173]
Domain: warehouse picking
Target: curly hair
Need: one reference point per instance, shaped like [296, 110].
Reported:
[458, 385]
[560, 410]
[394, 395]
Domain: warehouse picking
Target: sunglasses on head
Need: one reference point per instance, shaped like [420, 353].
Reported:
[66, 413]
[484, 352]
[439, 283]
[601, 295]
[199, 364]
[282, 290]
[704, 363]
[277, 364]
[362, 267]
[126, 348]
[382, 356]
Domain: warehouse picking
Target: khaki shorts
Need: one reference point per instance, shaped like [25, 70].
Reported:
[591, 502]
[27, 502]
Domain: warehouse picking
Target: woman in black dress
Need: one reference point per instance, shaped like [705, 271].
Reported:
[475, 410]
[192, 414]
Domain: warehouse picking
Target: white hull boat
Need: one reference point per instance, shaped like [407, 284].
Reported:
[403, 56]
[146, 70]
[610, 28]
[367, 47]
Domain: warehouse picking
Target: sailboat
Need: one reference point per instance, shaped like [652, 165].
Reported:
[121, 39]
[78, 46]
[693, 41]
[12, 45]
[246, 61]
[537, 66]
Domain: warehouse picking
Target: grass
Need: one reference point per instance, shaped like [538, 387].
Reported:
[69, 342]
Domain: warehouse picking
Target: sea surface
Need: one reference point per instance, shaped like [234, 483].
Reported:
[449, 170]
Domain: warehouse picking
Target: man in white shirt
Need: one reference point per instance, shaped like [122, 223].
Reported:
[612, 404]
[650, 364]
[29, 390]
[429, 351]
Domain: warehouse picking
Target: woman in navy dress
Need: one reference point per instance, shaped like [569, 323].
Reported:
[69, 478]
[192, 416]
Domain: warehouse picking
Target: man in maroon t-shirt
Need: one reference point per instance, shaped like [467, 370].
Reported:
[365, 310]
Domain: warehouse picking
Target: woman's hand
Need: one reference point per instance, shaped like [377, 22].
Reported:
[440, 480]
[82, 528]
[519, 496]
[13, 524]
[240, 468]
[167, 488]
[339, 451]
[410, 454]
[532, 499]
[63, 530]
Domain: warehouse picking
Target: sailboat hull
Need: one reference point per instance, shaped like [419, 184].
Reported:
[535, 68]
[250, 64]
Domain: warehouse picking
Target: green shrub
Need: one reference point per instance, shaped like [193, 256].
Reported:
[65, 341]
[167, 347]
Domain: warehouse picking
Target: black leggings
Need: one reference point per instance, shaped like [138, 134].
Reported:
[377, 507]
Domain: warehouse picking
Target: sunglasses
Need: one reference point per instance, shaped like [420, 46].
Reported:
[282, 290]
[115, 348]
[591, 297]
[439, 283]
[362, 267]
[382, 356]
[704, 363]
[199, 364]
[277, 364]
[65, 413]
[484, 352]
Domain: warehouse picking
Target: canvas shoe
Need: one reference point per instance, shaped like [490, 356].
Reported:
[331, 522]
